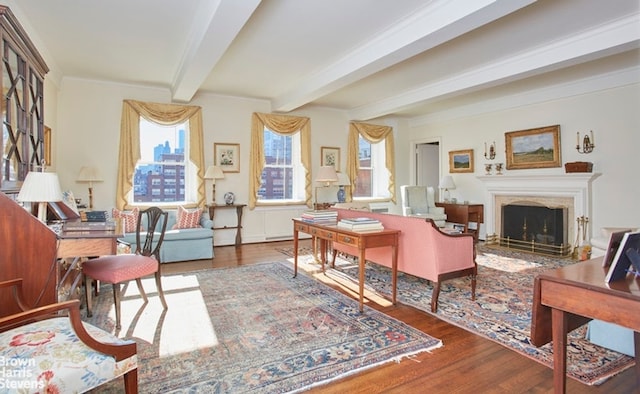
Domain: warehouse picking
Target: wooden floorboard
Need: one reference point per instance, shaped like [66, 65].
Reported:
[467, 363]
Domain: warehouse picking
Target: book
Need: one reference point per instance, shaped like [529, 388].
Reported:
[622, 262]
[360, 226]
[361, 220]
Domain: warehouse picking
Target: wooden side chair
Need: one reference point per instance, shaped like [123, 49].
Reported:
[47, 352]
[145, 261]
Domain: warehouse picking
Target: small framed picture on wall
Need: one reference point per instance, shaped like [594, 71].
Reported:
[330, 156]
[227, 156]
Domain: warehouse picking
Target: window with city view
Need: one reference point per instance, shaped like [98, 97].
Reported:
[373, 178]
[283, 175]
[162, 174]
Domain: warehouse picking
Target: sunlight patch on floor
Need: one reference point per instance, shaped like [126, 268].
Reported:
[502, 263]
[185, 325]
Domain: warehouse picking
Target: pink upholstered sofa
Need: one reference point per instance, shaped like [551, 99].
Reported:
[424, 250]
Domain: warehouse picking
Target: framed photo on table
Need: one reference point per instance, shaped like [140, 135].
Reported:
[461, 160]
[533, 148]
[227, 156]
[330, 156]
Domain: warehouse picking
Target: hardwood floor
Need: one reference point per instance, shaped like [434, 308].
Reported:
[467, 363]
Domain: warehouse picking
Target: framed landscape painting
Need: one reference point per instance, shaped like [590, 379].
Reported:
[533, 148]
[461, 160]
[227, 156]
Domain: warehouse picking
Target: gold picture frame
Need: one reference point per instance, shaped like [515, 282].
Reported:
[47, 145]
[227, 156]
[330, 156]
[461, 160]
[533, 148]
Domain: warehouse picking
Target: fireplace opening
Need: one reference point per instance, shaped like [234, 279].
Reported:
[535, 228]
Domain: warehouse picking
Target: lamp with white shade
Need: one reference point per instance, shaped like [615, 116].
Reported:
[326, 175]
[213, 173]
[89, 174]
[447, 184]
[40, 187]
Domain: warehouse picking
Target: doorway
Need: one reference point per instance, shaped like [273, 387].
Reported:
[427, 164]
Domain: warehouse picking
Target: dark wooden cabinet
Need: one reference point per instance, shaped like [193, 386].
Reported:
[22, 85]
[463, 214]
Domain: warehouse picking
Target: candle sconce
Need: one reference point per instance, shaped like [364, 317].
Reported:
[492, 151]
[587, 143]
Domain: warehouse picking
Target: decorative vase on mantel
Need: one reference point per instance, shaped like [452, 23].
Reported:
[487, 168]
[498, 168]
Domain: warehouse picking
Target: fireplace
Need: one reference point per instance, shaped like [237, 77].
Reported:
[568, 193]
[534, 227]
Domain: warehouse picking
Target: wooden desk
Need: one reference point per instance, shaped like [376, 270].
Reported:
[73, 248]
[362, 241]
[237, 227]
[568, 297]
[463, 214]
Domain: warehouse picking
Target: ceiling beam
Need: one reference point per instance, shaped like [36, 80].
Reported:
[605, 40]
[216, 25]
[438, 22]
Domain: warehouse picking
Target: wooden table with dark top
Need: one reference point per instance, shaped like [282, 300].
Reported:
[568, 297]
[362, 241]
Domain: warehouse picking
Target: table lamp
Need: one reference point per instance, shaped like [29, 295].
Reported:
[40, 187]
[447, 184]
[326, 175]
[213, 173]
[89, 174]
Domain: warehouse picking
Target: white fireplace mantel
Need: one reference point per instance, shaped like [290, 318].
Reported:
[571, 185]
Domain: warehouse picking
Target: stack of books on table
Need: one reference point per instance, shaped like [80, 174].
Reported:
[361, 225]
[321, 216]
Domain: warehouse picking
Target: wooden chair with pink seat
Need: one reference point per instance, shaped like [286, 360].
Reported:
[122, 268]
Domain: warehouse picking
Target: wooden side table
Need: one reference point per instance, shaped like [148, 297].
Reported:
[463, 214]
[237, 227]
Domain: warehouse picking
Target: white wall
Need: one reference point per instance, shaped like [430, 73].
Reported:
[88, 133]
[88, 128]
[614, 117]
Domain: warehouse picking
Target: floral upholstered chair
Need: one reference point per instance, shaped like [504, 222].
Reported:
[46, 352]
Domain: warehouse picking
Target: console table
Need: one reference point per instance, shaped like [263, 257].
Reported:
[332, 233]
[568, 297]
[237, 227]
[463, 214]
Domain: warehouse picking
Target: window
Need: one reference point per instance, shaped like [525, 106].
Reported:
[373, 176]
[370, 162]
[162, 164]
[280, 158]
[161, 155]
[283, 175]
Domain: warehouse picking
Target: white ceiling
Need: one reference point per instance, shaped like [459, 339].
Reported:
[370, 58]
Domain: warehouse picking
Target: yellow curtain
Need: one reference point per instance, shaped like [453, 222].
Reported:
[373, 134]
[281, 124]
[166, 114]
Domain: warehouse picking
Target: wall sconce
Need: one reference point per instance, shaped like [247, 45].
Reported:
[213, 173]
[492, 151]
[89, 175]
[587, 143]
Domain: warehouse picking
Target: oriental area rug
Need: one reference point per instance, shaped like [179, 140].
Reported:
[252, 329]
[501, 311]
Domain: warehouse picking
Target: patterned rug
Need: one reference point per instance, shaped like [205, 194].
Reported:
[252, 329]
[501, 311]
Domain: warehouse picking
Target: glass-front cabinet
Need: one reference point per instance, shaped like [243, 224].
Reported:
[22, 112]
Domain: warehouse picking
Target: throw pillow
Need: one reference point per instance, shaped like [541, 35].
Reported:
[129, 218]
[187, 218]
